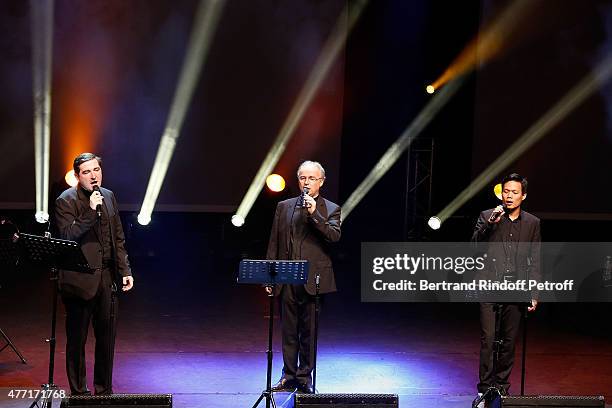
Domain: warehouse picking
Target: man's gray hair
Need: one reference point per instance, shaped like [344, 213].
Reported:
[311, 163]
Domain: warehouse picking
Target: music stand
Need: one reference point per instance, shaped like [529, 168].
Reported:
[53, 254]
[316, 331]
[271, 273]
[8, 256]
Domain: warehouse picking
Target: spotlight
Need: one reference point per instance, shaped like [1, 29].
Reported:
[497, 190]
[275, 182]
[71, 179]
[144, 219]
[430, 89]
[237, 220]
[41, 217]
[434, 223]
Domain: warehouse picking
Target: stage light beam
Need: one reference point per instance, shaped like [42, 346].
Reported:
[205, 23]
[489, 43]
[330, 51]
[42, 51]
[394, 152]
[578, 94]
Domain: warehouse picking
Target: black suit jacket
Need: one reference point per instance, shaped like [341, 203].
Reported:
[322, 228]
[76, 221]
[528, 253]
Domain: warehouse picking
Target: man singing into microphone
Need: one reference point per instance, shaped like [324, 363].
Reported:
[514, 255]
[88, 214]
[303, 228]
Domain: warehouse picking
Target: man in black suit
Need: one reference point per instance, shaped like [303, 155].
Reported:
[513, 254]
[88, 214]
[303, 232]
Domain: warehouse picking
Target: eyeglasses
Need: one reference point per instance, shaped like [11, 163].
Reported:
[312, 179]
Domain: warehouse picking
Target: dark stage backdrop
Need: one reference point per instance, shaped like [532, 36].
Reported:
[116, 65]
[554, 46]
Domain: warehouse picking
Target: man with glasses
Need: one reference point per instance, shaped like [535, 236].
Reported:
[304, 227]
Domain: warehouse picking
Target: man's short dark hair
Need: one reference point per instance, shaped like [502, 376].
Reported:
[516, 177]
[82, 158]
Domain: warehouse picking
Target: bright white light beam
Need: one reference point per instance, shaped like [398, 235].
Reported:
[437, 101]
[204, 26]
[42, 47]
[330, 51]
[578, 94]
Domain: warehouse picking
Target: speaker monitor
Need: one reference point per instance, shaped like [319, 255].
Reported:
[533, 401]
[346, 401]
[118, 401]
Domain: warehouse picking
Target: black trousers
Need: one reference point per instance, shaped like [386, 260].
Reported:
[509, 327]
[297, 321]
[101, 311]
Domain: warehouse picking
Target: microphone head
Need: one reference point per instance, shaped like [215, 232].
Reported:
[306, 189]
[96, 188]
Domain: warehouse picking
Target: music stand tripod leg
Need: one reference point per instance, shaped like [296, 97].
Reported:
[316, 334]
[267, 393]
[47, 390]
[524, 351]
[9, 343]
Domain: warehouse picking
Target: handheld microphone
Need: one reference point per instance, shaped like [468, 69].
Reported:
[499, 210]
[99, 206]
[301, 202]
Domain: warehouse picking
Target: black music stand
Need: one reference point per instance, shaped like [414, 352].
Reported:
[271, 273]
[316, 331]
[8, 256]
[53, 254]
[525, 316]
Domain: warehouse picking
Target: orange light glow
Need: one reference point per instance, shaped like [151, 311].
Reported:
[82, 96]
[493, 38]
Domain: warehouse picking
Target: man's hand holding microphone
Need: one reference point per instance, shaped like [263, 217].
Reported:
[309, 203]
[496, 214]
[95, 200]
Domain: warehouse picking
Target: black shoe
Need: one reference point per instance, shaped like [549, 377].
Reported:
[305, 389]
[86, 393]
[284, 385]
